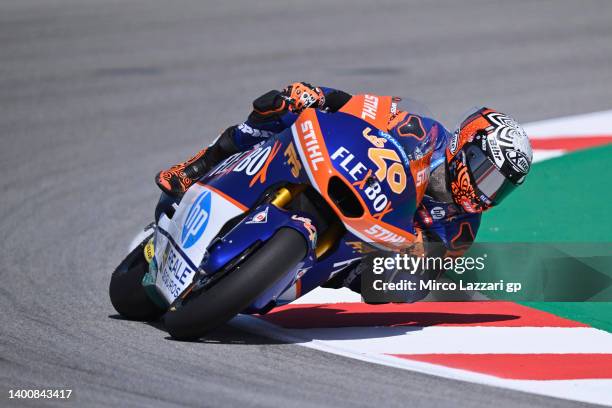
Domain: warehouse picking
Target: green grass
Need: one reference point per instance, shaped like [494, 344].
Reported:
[596, 314]
[567, 199]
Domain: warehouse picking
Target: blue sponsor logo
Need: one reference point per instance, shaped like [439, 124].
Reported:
[197, 219]
[397, 145]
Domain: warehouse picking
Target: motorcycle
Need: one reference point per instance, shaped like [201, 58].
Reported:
[269, 225]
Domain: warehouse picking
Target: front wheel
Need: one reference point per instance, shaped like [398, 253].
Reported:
[127, 294]
[199, 312]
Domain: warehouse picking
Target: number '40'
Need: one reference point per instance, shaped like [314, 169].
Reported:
[395, 174]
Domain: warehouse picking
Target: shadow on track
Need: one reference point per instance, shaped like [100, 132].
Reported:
[350, 325]
[225, 334]
[331, 317]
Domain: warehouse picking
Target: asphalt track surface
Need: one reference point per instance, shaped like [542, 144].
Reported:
[96, 96]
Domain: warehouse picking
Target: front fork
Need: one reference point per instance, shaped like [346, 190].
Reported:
[231, 245]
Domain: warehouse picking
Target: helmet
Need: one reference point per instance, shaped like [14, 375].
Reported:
[487, 157]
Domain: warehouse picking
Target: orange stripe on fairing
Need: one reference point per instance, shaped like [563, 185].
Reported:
[423, 314]
[298, 288]
[222, 194]
[356, 105]
[525, 366]
[263, 172]
[417, 166]
[570, 143]
[323, 170]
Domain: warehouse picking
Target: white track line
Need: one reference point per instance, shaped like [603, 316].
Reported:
[592, 391]
[541, 155]
[590, 124]
[463, 340]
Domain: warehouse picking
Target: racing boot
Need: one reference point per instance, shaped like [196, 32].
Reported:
[178, 178]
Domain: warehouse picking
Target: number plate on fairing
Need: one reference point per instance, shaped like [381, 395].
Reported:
[181, 242]
[176, 274]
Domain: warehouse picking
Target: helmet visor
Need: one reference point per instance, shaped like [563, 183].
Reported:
[488, 179]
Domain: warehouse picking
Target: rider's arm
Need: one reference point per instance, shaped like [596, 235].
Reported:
[442, 239]
[456, 235]
[276, 111]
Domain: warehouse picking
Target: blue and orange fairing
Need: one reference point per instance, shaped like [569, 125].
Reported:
[379, 179]
[424, 139]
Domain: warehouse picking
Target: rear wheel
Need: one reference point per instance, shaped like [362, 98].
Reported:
[200, 311]
[127, 294]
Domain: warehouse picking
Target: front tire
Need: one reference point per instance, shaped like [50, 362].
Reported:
[199, 313]
[126, 292]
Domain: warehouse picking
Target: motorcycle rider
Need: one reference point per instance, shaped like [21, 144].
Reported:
[472, 169]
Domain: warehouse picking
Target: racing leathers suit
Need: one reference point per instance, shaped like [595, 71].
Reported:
[437, 217]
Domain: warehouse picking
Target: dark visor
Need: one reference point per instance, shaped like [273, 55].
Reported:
[488, 179]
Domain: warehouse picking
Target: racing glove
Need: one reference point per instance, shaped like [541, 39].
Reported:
[302, 95]
[294, 98]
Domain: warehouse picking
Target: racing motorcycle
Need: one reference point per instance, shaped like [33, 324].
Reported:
[268, 225]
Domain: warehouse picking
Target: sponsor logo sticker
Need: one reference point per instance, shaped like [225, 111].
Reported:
[518, 160]
[437, 213]
[307, 222]
[454, 142]
[149, 251]
[197, 220]
[311, 142]
[495, 150]
[259, 218]
[370, 106]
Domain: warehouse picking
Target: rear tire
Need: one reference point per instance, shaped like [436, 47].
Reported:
[127, 294]
[204, 311]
